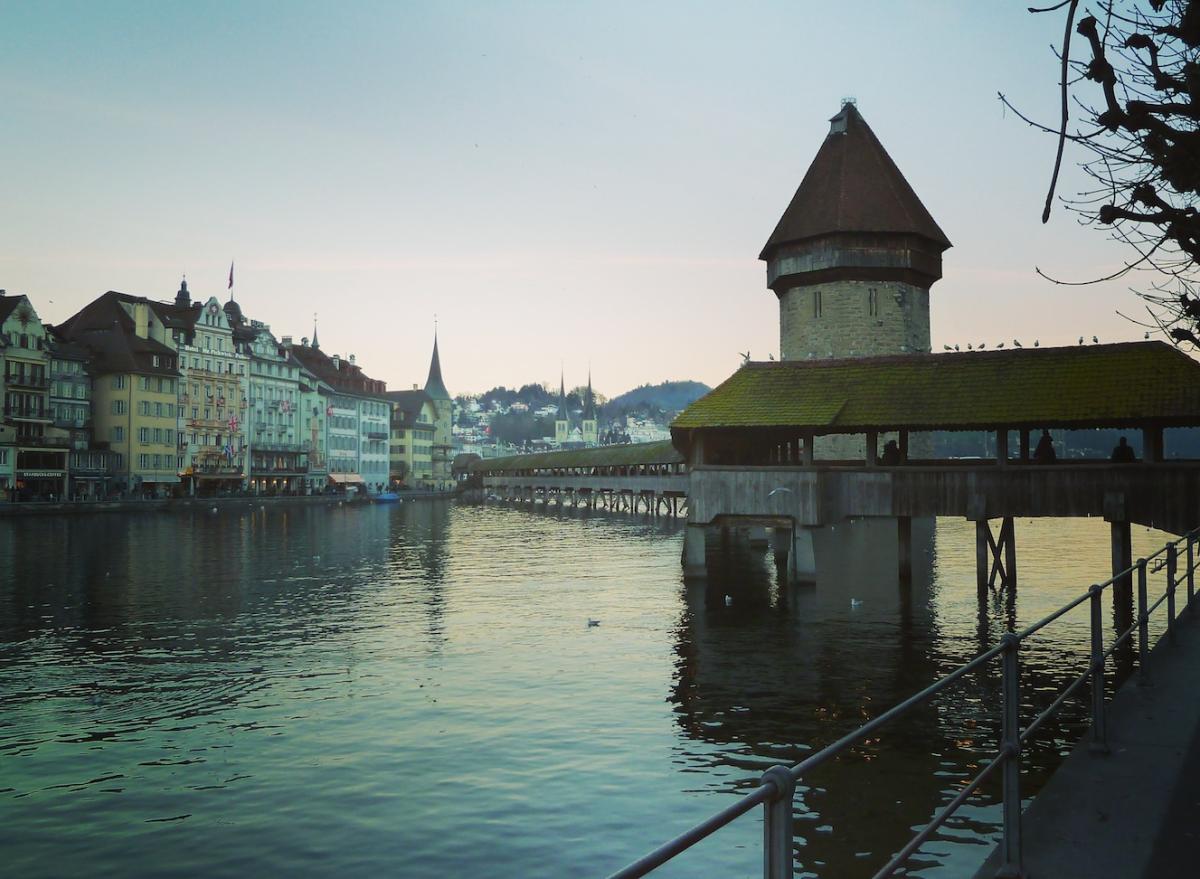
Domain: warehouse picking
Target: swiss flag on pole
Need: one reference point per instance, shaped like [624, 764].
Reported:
[231, 274]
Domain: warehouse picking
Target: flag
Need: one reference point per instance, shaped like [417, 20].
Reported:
[231, 274]
[229, 451]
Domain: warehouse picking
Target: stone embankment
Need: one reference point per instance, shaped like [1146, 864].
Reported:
[168, 505]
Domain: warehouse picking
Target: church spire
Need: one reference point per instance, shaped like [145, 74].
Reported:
[562, 397]
[589, 400]
[434, 386]
[315, 343]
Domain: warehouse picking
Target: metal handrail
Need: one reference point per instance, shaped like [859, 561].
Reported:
[776, 787]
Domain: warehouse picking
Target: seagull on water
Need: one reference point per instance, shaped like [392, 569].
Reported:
[729, 601]
[592, 623]
[855, 602]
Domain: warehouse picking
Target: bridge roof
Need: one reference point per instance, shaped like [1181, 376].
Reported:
[661, 452]
[1078, 386]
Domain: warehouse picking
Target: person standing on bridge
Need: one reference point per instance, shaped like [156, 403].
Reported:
[1123, 453]
[1044, 453]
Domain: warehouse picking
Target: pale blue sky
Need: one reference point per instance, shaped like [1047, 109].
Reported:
[560, 182]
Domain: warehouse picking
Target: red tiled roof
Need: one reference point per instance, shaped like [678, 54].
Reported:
[853, 186]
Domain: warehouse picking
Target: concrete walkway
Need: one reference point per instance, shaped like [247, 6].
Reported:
[1134, 812]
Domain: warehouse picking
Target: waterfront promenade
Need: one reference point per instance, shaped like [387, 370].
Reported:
[1130, 812]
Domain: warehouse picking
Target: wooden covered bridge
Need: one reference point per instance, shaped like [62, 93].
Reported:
[637, 477]
[753, 453]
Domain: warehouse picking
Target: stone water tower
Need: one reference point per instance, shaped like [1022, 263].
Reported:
[855, 253]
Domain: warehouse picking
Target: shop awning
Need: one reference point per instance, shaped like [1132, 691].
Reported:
[344, 478]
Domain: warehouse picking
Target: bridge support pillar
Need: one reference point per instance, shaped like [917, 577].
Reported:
[758, 536]
[995, 557]
[904, 548]
[802, 561]
[694, 563]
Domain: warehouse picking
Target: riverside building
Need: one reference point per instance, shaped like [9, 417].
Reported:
[135, 383]
[357, 418]
[34, 463]
[275, 421]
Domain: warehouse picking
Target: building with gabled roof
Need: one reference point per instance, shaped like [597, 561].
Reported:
[135, 386]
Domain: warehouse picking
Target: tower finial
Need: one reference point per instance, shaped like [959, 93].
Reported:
[315, 343]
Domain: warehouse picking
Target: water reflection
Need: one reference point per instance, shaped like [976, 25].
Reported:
[186, 693]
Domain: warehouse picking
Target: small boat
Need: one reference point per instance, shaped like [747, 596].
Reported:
[387, 497]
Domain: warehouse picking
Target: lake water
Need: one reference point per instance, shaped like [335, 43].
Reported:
[414, 691]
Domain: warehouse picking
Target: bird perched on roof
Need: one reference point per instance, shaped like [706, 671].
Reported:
[1081, 340]
[770, 356]
[956, 348]
[999, 344]
[948, 348]
[1147, 335]
[982, 346]
[745, 355]
[1035, 343]
[1095, 341]
[969, 348]
[1017, 344]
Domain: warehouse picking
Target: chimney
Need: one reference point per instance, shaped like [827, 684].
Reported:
[351, 359]
[286, 341]
[304, 341]
[141, 319]
[414, 387]
[337, 362]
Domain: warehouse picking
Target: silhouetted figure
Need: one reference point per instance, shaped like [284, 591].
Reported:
[891, 454]
[1123, 453]
[1044, 453]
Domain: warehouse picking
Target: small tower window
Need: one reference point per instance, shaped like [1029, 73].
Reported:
[816, 303]
[873, 302]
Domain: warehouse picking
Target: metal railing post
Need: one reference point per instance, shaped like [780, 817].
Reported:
[777, 824]
[1171, 562]
[1099, 733]
[1143, 623]
[1010, 846]
[1191, 574]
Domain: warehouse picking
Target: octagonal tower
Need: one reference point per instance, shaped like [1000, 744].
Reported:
[855, 253]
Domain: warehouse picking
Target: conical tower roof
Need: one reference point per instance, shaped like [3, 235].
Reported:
[562, 399]
[589, 401]
[434, 386]
[853, 186]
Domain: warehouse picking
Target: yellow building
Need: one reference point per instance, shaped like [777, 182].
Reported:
[134, 407]
[413, 431]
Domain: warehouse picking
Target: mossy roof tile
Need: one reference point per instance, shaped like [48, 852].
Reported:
[1087, 385]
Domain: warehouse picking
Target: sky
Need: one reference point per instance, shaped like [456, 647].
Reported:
[564, 185]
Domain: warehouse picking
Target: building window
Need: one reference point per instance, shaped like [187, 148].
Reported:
[118, 383]
[118, 407]
[816, 303]
[873, 302]
[117, 434]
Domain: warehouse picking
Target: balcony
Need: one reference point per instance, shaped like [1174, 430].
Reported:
[377, 434]
[28, 413]
[279, 447]
[20, 380]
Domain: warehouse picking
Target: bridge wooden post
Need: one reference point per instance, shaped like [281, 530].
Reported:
[1024, 446]
[1002, 447]
[1152, 444]
[995, 558]
[904, 445]
[872, 448]
[808, 448]
[904, 547]
[1122, 557]
[802, 560]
